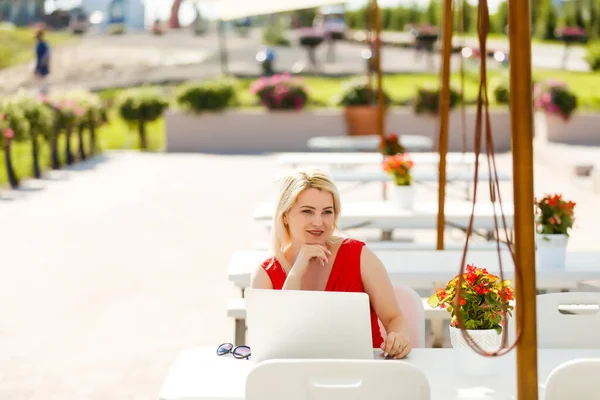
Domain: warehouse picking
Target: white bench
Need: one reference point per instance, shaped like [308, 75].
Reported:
[391, 245]
[347, 160]
[236, 309]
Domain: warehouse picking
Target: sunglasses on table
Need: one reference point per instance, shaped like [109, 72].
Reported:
[239, 352]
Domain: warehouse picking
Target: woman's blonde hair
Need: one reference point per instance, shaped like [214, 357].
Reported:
[290, 188]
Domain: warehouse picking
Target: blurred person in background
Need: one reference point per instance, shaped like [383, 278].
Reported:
[42, 65]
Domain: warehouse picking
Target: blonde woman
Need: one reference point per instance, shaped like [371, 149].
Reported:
[309, 254]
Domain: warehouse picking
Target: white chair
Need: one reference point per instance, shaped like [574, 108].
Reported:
[411, 305]
[568, 320]
[574, 379]
[336, 380]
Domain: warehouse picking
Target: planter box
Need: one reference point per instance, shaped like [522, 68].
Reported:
[251, 131]
[580, 129]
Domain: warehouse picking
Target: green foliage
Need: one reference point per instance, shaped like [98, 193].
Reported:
[142, 104]
[274, 35]
[501, 90]
[547, 22]
[38, 114]
[14, 117]
[206, 96]
[593, 55]
[500, 18]
[428, 98]
[357, 92]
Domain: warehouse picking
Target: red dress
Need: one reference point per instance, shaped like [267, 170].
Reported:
[345, 277]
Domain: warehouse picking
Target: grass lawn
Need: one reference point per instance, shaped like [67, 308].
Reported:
[17, 45]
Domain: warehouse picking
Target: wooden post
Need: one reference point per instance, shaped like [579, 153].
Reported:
[522, 151]
[444, 110]
[380, 97]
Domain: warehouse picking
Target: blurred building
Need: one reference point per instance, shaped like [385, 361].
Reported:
[129, 13]
[22, 12]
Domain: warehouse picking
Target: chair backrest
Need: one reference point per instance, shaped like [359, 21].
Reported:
[336, 380]
[568, 320]
[411, 306]
[575, 379]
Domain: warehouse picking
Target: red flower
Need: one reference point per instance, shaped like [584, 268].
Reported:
[462, 301]
[8, 133]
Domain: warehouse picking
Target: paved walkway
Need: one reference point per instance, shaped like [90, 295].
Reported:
[110, 269]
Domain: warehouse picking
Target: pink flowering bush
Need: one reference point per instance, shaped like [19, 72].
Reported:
[280, 92]
[555, 98]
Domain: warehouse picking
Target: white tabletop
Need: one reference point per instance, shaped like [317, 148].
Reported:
[356, 159]
[420, 269]
[368, 143]
[387, 215]
[419, 174]
[199, 374]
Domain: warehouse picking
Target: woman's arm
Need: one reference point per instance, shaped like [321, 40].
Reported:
[378, 286]
[260, 279]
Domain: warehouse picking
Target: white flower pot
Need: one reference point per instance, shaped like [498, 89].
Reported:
[404, 196]
[472, 363]
[551, 250]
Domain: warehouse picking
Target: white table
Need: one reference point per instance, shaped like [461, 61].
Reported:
[367, 143]
[419, 174]
[361, 159]
[422, 269]
[387, 216]
[199, 374]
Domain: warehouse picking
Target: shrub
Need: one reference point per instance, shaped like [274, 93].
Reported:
[280, 92]
[206, 96]
[428, 99]
[593, 55]
[357, 92]
[501, 90]
[142, 105]
[555, 98]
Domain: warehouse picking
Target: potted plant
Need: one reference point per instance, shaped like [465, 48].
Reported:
[555, 216]
[208, 96]
[360, 103]
[427, 100]
[399, 167]
[13, 127]
[555, 99]
[482, 305]
[390, 145]
[280, 92]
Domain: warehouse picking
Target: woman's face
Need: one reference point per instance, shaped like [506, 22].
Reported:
[311, 218]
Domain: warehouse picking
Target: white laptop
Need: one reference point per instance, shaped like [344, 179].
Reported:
[301, 324]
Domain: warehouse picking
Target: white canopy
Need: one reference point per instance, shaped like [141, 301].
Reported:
[233, 9]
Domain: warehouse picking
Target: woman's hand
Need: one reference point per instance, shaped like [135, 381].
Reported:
[396, 345]
[308, 253]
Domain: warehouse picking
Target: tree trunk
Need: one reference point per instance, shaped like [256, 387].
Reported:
[142, 132]
[54, 148]
[68, 153]
[92, 138]
[80, 137]
[35, 156]
[10, 172]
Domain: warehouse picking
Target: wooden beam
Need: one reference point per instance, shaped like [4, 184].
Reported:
[444, 110]
[521, 107]
[380, 98]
